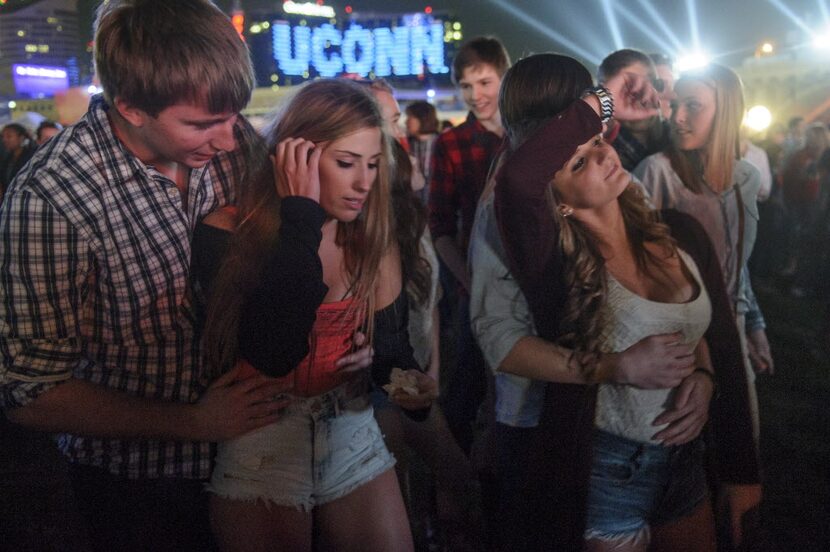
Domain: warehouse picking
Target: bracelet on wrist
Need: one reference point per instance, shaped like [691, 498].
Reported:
[606, 102]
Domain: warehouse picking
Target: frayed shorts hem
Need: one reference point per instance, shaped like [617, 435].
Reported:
[321, 449]
[297, 503]
[626, 539]
[302, 504]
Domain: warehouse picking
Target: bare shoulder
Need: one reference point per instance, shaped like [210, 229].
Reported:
[224, 218]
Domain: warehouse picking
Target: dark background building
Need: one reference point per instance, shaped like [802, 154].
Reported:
[44, 34]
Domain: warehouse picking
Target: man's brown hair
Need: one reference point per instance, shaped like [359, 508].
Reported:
[156, 53]
[478, 51]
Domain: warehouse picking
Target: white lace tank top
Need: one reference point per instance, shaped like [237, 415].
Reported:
[626, 410]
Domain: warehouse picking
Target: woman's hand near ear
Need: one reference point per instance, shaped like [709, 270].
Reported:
[297, 168]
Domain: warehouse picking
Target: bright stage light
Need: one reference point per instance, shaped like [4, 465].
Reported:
[534, 21]
[691, 11]
[790, 14]
[614, 27]
[821, 41]
[688, 62]
[758, 118]
[658, 19]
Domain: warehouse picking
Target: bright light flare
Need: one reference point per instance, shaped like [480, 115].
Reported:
[767, 48]
[758, 118]
[533, 21]
[688, 62]
[635, 20]
[821, 41]
[611, 19]
[790, 14]
[691, 11]
[658, 19]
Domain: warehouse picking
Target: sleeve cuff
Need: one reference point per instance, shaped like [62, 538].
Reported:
[302, 209]
[16, 393]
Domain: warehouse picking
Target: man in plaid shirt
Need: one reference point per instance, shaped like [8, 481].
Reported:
[98, 336]
[460, 162]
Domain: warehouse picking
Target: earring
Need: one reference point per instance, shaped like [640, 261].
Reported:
[565, 210]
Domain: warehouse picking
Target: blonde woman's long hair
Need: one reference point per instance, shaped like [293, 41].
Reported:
[322, 111]
[714, 163]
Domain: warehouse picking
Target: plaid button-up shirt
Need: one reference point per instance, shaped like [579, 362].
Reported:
[460, 163]
[95, 272]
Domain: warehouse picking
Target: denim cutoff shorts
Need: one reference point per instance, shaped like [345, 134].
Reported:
[321, 448]
[635, 486]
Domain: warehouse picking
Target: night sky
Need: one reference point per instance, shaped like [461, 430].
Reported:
[583, 29]
[732, 29]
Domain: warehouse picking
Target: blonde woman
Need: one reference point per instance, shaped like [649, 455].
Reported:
[701, 174]
[295, 298]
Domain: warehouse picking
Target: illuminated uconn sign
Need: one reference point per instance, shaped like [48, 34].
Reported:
[384, 51]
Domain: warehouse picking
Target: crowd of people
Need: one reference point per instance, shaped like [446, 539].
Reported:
[216, 337]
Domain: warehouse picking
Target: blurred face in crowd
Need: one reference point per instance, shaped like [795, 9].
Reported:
[666, 75]
[413, 125]
[645, 72]
[390, 111]
[479, 86]
[12, 140]
[45, 134]
[693, 114]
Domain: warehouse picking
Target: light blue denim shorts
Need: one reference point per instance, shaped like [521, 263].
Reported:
[635, 486]
[322, 448]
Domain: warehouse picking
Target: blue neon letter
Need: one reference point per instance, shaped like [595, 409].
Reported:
[288, 64]
[428, 45]
[326, 65]
[360, 63]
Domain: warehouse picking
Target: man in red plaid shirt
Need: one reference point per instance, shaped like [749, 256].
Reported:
[460, 163]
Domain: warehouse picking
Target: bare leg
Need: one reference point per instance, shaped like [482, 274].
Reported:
[433, 441]
[370, 518]
[242, 526]
[693, 533]
[390, 420]
[457, 495]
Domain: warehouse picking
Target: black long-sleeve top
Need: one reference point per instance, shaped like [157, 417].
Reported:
[279, 313]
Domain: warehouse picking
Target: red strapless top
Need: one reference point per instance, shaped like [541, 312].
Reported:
[330, 338]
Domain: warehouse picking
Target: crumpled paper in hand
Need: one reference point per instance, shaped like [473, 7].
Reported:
[401, 380]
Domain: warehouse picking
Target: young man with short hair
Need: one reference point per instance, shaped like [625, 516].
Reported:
[634, 140]
[460, 163]
[98, 333]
